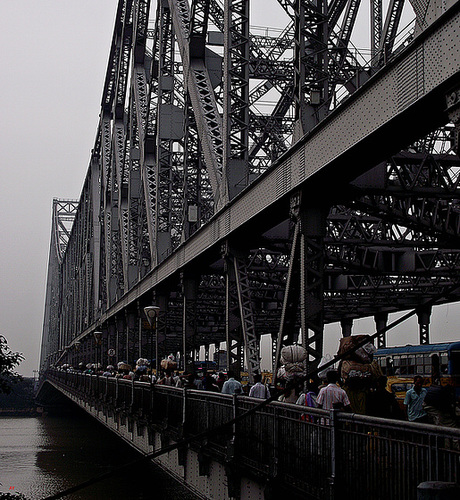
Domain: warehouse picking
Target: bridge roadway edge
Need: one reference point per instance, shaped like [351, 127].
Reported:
[267, 454]
[217, 480]
[316, 162]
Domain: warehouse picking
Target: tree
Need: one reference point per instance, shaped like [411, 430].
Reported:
[12, 496]
[9, 360]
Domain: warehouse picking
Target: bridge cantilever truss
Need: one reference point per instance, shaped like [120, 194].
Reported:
[253, 183]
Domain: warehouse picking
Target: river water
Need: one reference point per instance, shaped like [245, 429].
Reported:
[42, 456]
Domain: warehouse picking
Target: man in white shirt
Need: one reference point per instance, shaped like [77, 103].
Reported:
[258, 390]
[332, 396]
[232, 386]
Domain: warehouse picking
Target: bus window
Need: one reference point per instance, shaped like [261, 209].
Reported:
[411, 364]
[454, 362]
[419, 364]
[427, 364]
[397, 365]
[444, 363]
[390, 370]
[435, 366]
[403, 365]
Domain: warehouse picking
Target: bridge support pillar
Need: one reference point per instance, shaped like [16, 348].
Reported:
[121, 353]
[233, 481]
[423, 315]
[161, 300]
[347, 326]
[305, 281]
[381, 320]
[233, 329]
[131, 337]
[204, 463]
[190, 293]
[112, 344]
[237, 273]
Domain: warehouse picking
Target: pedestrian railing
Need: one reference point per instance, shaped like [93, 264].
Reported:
[323, 454]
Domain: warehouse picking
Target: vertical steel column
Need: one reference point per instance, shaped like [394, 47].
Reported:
[376, 29]
[299, 68]
[250, 340]
[140, 313]
[305, 282]
[148, 144]
[381, 320]
[134, 192]
[236, 95]
[96, 239]
[190, 294]
[311, 77]
[313, 228]
[106, 188]
[164, 131]
[347, 326]
[233, 329]
[120, 158]
[112, 343]
[390, 29]
[423, 315]
[160, 298]
[132, 336]
[192, 199]
[121, 339]
[289, 323]
[104, 347]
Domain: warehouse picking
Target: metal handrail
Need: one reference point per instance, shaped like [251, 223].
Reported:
[308, 449]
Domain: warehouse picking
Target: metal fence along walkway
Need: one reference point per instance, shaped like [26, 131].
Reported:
[299, 450]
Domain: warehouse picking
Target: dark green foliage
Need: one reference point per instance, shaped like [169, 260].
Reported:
[21, 397]
[9, 360]
[12, 496]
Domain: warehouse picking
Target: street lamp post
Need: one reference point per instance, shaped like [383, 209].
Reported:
[152, 313]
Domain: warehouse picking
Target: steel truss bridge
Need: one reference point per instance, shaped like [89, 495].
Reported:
[251, 182]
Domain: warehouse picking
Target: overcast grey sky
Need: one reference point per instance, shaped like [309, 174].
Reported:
[53, 57]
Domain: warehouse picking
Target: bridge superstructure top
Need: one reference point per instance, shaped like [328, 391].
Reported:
[338, 200]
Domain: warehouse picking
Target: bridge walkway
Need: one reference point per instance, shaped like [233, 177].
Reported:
[303, 452]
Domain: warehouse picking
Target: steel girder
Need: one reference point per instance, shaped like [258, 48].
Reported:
[197, 83]
[159, 155]
[236, 95]
[63, 215]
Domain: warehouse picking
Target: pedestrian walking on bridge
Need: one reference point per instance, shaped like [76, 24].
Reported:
[332, 396]
[413, 402]
[232, 386]
[258, 390]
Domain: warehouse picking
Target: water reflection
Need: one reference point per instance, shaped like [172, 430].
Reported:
[42, 456]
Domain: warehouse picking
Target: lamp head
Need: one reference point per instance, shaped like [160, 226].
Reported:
[151, 312]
